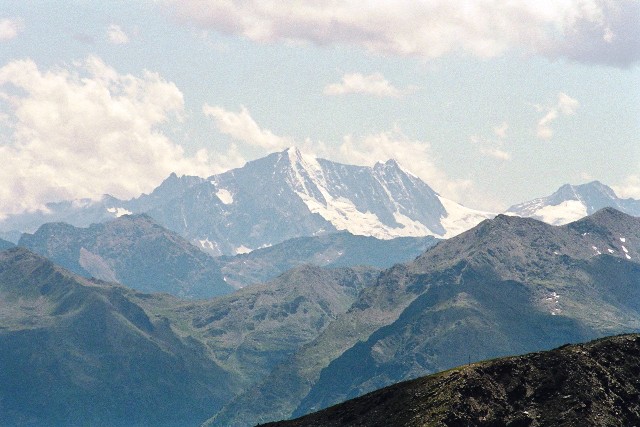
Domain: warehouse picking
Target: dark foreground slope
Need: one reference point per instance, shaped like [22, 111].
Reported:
[593, 384]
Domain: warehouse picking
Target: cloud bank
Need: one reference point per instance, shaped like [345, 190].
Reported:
[373, 84]
[86, 131]
[588, 31]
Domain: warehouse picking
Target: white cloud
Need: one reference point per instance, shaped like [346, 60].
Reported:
[501, 130]
[590, 31]
[372, 84]
[565, 105]
[493, 147]
[241, 127]
[413, 155]
[10, 28]
[116, 35]
[630, 187]
[86, 131]
[496, 153]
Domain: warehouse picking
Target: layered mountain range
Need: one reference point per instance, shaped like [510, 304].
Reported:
[359, 291]
[290, 194]
[510, 285]
[136, 251]
[308, 339]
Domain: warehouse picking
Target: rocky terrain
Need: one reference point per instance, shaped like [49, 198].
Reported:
[132, 250]
[593, 384]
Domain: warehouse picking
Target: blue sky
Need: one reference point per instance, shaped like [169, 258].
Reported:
[491, 102]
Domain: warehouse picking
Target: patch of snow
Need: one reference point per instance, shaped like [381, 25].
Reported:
[622, 239]
[551, 302]
[611, 251]
[225, 196]
[626, 251]
[564, 213]
[595, 248]
[242, 249]
[208, 244]
[119, 211]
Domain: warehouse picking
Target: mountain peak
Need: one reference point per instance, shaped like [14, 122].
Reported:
[572, 202]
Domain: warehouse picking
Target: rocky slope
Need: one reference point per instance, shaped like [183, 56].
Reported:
[75, 351]
[5, 244]
[254, 329]
[79, 351]
[593, 384]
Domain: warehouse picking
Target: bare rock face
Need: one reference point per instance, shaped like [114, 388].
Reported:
[593, 384]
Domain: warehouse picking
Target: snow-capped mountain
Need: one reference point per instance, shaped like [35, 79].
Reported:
[290, 194]
[572, 202]
[281, 196]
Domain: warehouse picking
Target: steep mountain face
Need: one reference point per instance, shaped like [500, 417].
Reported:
[572, 202]
[329, 250]
[510, 285]
[593, 384]
[134, 251]
[282, 196]
[82, 352]
[288, 194]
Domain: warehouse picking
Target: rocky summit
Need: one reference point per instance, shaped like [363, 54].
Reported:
[593, 384]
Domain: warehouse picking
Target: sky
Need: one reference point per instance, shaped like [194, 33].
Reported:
[491, 102]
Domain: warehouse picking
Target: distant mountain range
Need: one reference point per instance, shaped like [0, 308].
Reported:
[593, 384]
[508, 286]
[289, 194]
[133, 251]
[282, 196]
[341, 249]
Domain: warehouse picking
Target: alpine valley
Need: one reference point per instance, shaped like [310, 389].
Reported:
[293, 283]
